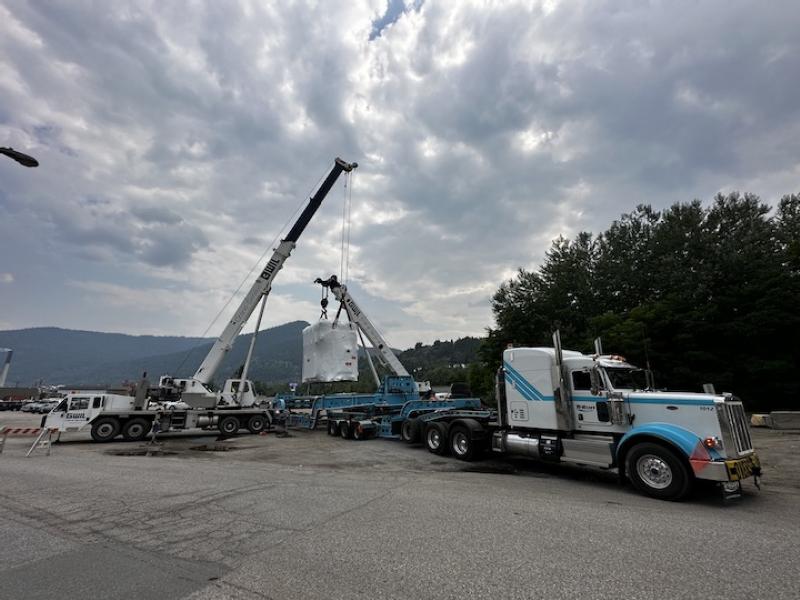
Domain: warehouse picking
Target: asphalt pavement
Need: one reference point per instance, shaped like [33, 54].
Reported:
[314, 517]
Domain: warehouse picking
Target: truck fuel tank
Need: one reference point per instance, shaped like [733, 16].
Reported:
[513, 443]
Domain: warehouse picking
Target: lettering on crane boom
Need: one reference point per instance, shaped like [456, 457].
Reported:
[271, 267]
[353, 307]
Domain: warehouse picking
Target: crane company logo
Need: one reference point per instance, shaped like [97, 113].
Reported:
[352, 305]
[271, 267]
[78, 415]
[585, 407]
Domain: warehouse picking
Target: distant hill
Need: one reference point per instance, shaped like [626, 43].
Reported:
[442, 353]
[73, 358]
[89, 358]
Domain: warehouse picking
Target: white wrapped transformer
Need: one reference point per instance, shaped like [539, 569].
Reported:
[330, 353]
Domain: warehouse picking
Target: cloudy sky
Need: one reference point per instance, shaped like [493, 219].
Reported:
[176, 139]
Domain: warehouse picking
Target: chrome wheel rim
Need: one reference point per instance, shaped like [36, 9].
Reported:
[135, 430]
[434, 438]
[654, 471]
[460, 443]
[105, 429]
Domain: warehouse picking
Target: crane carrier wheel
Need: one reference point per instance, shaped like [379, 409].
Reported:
[228, 425]
[135, 430]
[105, 429]
[257, 424]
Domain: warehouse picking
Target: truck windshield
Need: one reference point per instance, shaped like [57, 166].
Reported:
[626, 378]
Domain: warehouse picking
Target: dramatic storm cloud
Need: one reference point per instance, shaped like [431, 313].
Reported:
[176, 139]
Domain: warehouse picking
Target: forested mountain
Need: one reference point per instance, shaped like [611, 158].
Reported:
[72, 358]
[705, 293]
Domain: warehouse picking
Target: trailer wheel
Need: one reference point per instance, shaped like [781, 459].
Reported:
[135, 430]
[256, 424]
[409, 431]
[436, 438]
[105, 429]
[333, 427]
[462, 446]
[228, 425]
[346, 430]
[358, 433]
[657, 471]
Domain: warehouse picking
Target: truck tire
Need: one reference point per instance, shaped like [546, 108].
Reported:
[257, 424]
[228, 425]
[436, 438]
[462, 446]
[345, 430]
[135, 430]
[333, 427]
[105, 429]
[410, 431]
[657, 471]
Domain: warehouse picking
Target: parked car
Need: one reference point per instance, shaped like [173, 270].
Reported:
[47, 405]
[30, 407]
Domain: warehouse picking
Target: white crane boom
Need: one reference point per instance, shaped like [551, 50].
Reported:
[263, 283]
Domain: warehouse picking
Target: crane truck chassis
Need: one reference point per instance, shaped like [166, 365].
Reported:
[566, 407]
[108, 416]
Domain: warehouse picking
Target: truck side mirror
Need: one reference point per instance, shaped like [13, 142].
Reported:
[594, 376]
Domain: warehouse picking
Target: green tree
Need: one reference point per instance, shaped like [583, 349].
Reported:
[705, 294]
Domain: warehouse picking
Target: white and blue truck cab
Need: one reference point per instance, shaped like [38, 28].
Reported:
[598, 410]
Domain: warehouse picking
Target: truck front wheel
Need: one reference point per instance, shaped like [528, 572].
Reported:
[657, 471]
[105, 429]
[436, 438]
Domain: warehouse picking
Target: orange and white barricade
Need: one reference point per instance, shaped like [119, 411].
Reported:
[43, 441]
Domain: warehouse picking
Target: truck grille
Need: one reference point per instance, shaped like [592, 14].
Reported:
[736, 421]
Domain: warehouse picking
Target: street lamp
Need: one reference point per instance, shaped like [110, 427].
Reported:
[21, 158]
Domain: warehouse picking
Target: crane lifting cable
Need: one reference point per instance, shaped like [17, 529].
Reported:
[347, 206]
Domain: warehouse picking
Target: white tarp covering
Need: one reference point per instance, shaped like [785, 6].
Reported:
[330, 353]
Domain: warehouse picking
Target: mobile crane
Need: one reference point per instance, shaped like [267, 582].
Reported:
[108, 415]
[397, 398]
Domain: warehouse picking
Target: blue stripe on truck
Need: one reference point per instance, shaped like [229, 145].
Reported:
[529, 392]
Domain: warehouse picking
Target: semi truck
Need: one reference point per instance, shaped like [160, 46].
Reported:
[599, 411]
[235, 407]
